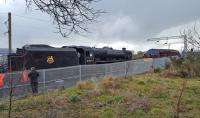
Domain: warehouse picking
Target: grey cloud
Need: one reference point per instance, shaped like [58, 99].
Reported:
[154, 16]
[130, 21]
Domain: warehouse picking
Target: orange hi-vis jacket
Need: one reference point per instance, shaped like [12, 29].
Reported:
[25, 76]
[2, 76]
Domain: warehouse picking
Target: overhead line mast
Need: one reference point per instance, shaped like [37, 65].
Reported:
[184, 37]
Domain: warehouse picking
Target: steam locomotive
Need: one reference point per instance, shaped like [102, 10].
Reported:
[45, 56]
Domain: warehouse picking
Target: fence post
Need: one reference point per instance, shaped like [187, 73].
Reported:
[105, 66]
[152, 67]
[44, 79]
[125, 70]
[80, 78]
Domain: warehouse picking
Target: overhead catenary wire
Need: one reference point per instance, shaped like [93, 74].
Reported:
[30, 18]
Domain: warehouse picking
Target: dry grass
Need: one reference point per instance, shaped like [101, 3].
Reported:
[141, 96]
[85, 84]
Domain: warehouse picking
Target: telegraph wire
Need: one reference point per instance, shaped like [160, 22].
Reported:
[31, 18]
[3, 13]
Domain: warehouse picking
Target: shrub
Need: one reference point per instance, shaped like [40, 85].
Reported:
[74, 98]
[157, 70]
[188, 67]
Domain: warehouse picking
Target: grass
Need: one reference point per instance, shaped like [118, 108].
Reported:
[148, 95]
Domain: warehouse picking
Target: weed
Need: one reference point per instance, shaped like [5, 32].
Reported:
[158, 112]
[111, 99]
[141, 83]
[74, 98]
[85, 84]
[151, 81]
[17, 109]
[3, 107]
[140, 104]
[157, 70]
[108, 113]
[168, 101]
[139, 113]
[111, 83]
[160, 92]
[190, 93]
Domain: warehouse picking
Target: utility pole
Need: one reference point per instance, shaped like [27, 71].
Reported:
[10, 51]
[9, 33]
[185, 43]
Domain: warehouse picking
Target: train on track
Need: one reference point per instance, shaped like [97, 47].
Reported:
[158, 53]
[45, 56]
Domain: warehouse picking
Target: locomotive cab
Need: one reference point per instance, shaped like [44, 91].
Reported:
[85, 54]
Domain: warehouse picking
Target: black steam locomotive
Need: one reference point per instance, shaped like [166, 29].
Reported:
[45, 56]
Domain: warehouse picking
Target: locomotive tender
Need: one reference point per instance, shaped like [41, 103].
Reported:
[44, 56]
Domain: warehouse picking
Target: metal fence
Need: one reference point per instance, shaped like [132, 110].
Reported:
[51, 79]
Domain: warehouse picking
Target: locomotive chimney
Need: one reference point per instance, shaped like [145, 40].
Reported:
[124, 49]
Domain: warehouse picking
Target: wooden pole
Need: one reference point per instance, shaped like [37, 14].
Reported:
[9, 33]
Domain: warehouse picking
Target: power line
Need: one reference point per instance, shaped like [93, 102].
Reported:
[3, 13]
[31, 18]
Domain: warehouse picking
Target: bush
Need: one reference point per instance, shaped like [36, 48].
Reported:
[188, 67]
[157, 70]
[74, 98]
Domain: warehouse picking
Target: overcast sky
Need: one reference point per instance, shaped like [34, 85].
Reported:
[127, 23]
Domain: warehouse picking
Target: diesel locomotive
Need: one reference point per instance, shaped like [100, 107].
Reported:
[45, 56]
[158, 53]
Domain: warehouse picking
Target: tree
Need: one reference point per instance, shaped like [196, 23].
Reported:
[192, 36]
[70, 16]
